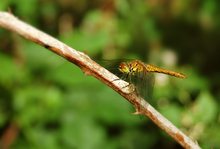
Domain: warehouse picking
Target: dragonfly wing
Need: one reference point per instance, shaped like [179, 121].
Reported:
[111, 65]
[150, 80]
[144, 82]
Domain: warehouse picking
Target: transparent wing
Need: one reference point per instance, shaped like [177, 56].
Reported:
[112, 66]
[144, 82]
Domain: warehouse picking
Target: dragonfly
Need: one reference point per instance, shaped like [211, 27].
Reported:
[140, 74]
[136, 66]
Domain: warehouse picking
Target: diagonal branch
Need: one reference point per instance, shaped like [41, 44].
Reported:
[90, 67]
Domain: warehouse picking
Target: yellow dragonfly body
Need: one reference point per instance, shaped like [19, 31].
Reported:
[140, 74]
[134, 67]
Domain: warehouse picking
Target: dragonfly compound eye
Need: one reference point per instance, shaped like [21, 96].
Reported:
[123, 67]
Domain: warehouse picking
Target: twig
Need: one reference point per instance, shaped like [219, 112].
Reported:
[9, 135]
[89, 67]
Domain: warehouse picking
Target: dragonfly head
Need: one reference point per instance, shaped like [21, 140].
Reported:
[124, 68]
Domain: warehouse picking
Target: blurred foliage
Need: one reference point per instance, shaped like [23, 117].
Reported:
[46, 102]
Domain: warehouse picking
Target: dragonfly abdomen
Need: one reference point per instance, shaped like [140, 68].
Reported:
[151, 68]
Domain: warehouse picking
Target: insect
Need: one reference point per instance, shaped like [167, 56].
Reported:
[136, 66]
[140, 74]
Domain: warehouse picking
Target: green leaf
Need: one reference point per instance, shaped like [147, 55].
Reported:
[11, 72]
[205, 108]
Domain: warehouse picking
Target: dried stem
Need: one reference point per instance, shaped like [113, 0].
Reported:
[90, 67]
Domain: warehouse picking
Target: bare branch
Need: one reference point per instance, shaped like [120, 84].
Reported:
[90, 67]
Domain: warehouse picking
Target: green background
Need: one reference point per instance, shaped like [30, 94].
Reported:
[48, 103]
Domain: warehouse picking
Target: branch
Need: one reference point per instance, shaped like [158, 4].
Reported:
[90, 67]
